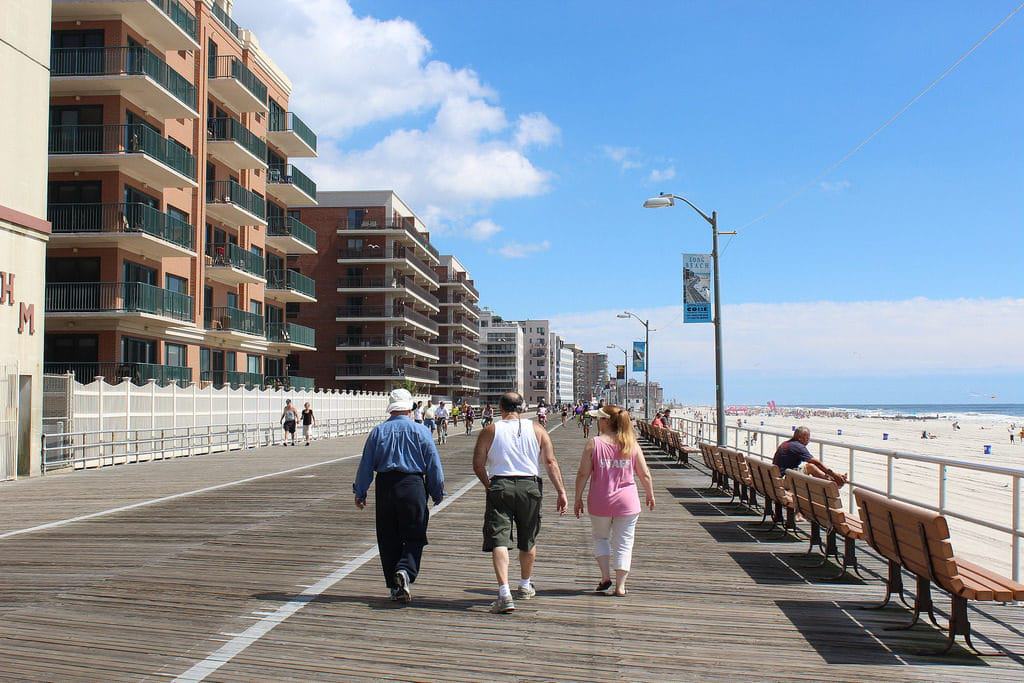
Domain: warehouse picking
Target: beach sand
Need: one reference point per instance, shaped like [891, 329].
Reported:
[977, 494]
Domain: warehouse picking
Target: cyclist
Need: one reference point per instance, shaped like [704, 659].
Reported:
[542, 416]
[488, 415]
[469, 418]
[430, 417]
[441, 416]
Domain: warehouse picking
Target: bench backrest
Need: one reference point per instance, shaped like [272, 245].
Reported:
[766, 479]
[915, 537]
[818, 500]
[717, 461]
[737, 465]
[705, 453]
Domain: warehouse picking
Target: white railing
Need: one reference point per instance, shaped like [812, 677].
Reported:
[935, 483]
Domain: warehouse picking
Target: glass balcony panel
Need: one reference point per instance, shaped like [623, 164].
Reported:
[291, 333]
[230, 319]
[289, 226]
[230, 192]
[123, 297]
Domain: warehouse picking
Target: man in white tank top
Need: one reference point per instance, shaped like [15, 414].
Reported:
[507, 460]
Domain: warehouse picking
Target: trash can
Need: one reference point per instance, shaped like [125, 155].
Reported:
[988, 449]
[839, 432]
[885, 436]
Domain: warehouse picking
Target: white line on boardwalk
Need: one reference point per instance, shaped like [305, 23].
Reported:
[240, 643]
[164, 499]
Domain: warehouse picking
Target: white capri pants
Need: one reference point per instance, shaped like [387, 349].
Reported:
[613, 537]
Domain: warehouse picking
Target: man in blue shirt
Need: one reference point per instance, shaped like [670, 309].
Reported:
[402, 455]
[793, 454]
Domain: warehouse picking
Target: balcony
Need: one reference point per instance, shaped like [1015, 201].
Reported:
[385, 312]
[395, 284]
[133, 227]
[384, 372]
[290, 382]
[289, 286]
[400, 232]
[118, 300]
[390, 342]
[290, 185]
[459, 342]
[454, 282]
[397, 255]
[291, 135]
[230, 322]
[290, 235]
[234, 145]
[221, 378]
[234, 84]
[459, 381]
[233, 205]
[233, 265]
[133, 149]
[136, 373]
[135, 73]
[226, 20]
[291, 337]
[167, 24]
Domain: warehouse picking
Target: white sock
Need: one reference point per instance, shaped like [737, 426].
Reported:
[525, 583]
[503, 591]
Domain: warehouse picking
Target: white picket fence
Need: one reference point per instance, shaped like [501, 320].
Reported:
[122, 423]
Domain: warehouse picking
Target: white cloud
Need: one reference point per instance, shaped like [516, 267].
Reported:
[522, 250]
[625, 157]
[483, 230]
[834, 185]
[839, 339]
[660, 174]
[349, 71]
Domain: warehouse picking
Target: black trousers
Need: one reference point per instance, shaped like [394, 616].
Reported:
[402, 516]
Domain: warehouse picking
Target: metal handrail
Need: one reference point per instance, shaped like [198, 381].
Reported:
[289, 226]
[134, 60]
[180, 15]
[230, 192]
[126, 217]
[700, 430]
[289, 121]
[125, 297]
[131, 138]
[285, 278]
[288, 174]
[232, 67]
[225, 129]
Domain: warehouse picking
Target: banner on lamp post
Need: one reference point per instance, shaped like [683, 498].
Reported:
[697, 288]
[639, 356]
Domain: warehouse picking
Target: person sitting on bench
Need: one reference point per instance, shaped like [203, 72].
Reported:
[793, 454]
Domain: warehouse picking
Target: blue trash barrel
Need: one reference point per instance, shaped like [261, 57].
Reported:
[885, 436]
[839, 432]
[988, 449]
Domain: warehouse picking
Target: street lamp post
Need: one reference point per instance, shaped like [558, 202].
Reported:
[663, 201]
[625, 374]
[647, 360]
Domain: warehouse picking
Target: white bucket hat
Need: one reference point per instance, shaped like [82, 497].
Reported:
[399, 400]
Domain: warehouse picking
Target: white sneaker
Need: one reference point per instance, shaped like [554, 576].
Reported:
[503, 605]
[526, 592]
[402, 592]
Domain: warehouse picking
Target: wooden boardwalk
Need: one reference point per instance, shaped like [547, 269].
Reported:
[213, 582]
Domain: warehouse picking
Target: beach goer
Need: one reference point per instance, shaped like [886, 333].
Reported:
[469, 417]
[308, 420]
[565, 414]
[793, 454]
[586, 420]
[417, 412]
[488, 415]
[610, 461]
[507, 460]
[1021, 434]
[402, 457]
[289, 416]
[656, 422]
[429, 417]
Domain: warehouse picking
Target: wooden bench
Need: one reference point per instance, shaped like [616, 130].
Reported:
[742, 482]
[719, 464]
[769, 483]
[918, 540]
[679, 449]
[705, 454]
[819, 502]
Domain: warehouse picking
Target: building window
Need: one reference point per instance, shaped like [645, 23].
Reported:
[253, 364]
[176, 284]
[355, 217]
[256, 307]
[175, 355]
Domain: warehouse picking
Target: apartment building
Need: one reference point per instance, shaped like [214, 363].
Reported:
[561, 369]
[502, 345]
[537, 362]
[634, 394]
[24, 58]
[458, 340]
[594, 374]
[574, 362]
[378, 307]
[173, 198]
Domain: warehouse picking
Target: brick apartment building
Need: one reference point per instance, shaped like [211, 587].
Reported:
[172, 198]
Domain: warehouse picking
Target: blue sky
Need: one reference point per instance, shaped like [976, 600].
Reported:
[529, 133]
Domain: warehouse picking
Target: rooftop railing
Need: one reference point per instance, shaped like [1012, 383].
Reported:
[284, 278]
[132, 217]
[227, 255]
[285, 226]
[133, 138]
[136, 373]
[230, 192]
[232, 67]
[287, 174]
[231, 319]
[120, 297]
[227, 128]
[291, 333]
[285, 121]
[127, 60]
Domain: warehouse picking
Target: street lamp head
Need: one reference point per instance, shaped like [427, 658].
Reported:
[622, 315]
[660, 202]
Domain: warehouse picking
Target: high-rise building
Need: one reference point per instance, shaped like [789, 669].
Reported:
[458, 342]
[537, 362]
[24, 62]
[564, 373]
[378, 276]
[579, 381]
[594, 374]
[635, 394]
[173, 197]
[502, 345]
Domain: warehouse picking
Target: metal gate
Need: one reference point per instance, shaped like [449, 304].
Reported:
[8, 422]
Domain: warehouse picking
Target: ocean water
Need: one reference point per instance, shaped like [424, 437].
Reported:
[1011, 410]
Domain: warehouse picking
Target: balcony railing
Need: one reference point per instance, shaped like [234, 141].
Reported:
[232, 67]
[289, 381]
[226, 128]
[137, 373]
[410, 314]
[411, 230]
[120, 297]
[427, 271]
[460, 380]
[230, 192]
[120, 218]
[227, 21]
[116, 61]
[366, 282]
[220, 378]
[284, 226]
[291, 333]
[287, 174]
[185, 20]
[284, 121]
[391, 341]
[226, 255]
[409, 371]
[292, 280]
[132, 138]
[420, 291]
[230, 319]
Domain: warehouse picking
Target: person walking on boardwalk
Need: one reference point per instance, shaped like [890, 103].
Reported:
[507, 460]
[308, 420]
[403, 457]
[610, 461]
[289, 416]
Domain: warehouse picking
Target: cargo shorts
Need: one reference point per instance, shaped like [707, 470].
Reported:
[512, 503]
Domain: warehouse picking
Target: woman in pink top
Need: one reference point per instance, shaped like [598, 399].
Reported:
[609, 462]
